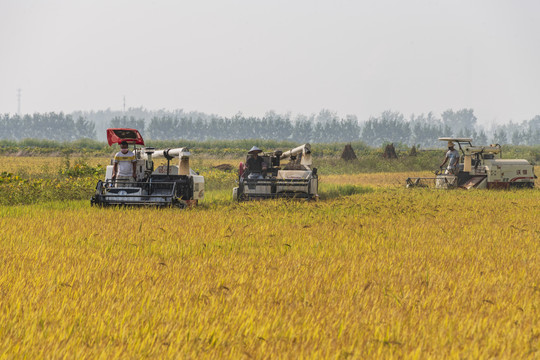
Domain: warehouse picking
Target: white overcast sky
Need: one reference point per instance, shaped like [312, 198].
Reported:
[223, 56]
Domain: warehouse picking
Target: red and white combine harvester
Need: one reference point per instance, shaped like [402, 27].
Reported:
[166, 185]
[481, 167]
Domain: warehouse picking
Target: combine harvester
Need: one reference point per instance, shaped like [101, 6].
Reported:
[480, 169]
[167, 185]
[295, 180]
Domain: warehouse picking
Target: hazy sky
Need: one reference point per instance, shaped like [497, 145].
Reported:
[353, 57]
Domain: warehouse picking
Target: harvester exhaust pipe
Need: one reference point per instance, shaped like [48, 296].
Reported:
[149, 162]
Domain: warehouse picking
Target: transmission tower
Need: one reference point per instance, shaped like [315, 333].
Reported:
[19, 102]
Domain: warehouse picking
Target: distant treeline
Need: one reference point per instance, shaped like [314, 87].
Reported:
[325, 127]
[51, 126]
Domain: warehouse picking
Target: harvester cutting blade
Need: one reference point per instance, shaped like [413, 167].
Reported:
[419, 181]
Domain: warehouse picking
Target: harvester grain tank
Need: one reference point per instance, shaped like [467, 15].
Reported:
[165, 185]
[480, 168]
[297, 179]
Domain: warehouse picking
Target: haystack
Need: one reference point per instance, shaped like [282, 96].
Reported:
[348, 153]
[224, 167]
[390, 152]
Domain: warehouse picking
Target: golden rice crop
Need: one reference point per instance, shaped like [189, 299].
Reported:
[396, 179]
[393, 273]
[32, 165]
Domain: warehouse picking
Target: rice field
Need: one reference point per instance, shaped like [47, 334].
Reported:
[386, 273]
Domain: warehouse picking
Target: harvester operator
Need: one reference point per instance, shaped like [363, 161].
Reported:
[452, 157]
[255, 165]
[125, 165]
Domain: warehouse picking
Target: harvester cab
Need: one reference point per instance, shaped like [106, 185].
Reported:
[296, 179]
[165, 185]
[481, 167]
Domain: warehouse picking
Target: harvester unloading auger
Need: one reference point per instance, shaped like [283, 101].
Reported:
[294, 180]
[479, 168]
[166, 185]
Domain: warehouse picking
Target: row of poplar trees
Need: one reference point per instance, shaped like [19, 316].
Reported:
[325, 127]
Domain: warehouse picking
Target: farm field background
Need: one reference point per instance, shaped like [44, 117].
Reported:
[372, 271]
[36, 166]
[51, 166]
